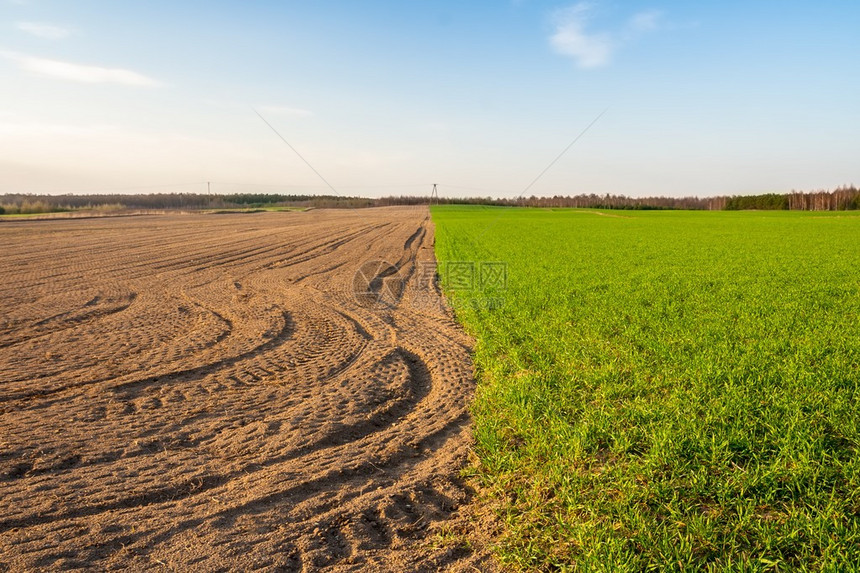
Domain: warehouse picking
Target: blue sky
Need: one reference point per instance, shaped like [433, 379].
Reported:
[389, 97]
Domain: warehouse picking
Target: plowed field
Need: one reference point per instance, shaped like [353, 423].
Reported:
[197, 392]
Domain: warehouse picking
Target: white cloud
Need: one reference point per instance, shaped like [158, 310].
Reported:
[645, 21]
[286, 111]
[79, 72]
[44, 30]
[571, 38]
[595, 49]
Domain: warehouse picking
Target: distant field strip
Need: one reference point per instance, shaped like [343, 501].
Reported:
[666, 390]
[199, 392]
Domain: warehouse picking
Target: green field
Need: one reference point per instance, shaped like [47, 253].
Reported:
[664, 390]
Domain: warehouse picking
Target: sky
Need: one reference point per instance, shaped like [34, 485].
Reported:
[389, 97]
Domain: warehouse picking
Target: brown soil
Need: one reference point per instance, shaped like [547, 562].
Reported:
[203, 392]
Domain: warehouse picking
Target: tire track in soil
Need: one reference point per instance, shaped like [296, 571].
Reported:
[196, 392]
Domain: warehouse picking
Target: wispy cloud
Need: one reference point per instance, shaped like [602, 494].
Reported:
[44, 30]
[594, 49]
[645, 21]
[287, 111]
[589, 50]
[79, 72]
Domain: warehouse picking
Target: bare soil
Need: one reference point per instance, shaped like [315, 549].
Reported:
[230, 392]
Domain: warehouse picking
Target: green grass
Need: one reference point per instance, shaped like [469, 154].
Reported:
[665, 390]
[20, 215]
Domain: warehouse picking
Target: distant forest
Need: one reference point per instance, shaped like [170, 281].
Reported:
[841, 199]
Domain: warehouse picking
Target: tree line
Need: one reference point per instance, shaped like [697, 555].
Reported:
[840, 199]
